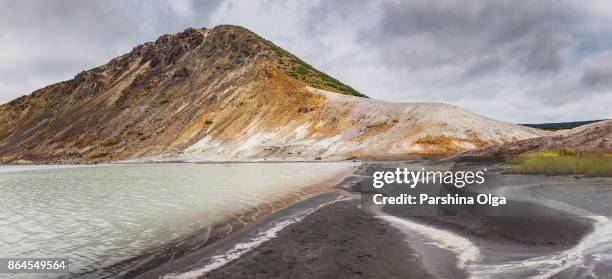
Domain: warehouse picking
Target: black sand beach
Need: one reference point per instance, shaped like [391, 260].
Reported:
[340, 240]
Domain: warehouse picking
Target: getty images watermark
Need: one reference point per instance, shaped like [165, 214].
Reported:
[411, 178]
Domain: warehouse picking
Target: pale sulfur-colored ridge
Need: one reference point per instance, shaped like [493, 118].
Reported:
[341, 127]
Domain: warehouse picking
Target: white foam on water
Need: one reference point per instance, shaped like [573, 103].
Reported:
[594, 246]
[592, 249]
[241, 248]
[465, 250]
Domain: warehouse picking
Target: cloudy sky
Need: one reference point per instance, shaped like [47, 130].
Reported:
[525, 62]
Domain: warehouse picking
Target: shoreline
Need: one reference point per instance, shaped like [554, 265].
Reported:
[209, 236]
[214, 253]
[179, 162]
[416, 157]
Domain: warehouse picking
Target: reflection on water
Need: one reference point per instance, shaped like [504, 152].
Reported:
[99, 215]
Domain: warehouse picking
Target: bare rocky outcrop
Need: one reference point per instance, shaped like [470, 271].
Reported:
[227, 94]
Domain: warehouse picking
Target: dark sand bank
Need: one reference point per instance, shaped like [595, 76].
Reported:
[550, 233]
[226, 249]
[338, 241]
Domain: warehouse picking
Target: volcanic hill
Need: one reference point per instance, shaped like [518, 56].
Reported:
[227, 94]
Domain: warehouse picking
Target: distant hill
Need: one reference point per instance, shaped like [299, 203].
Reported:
[561, 125]
[595, 138]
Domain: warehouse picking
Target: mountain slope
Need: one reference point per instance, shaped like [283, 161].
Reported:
[591, 138]
[226, 94]
[333, 126]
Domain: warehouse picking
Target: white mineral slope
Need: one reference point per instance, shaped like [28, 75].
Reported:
[342, 127]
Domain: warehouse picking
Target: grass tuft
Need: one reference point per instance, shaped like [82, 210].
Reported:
[562, 162]
[98, 155]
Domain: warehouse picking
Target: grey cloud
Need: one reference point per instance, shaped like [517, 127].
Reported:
[482, 67]
[597, 71]
[528, 61]
[528, 36]
[547, 51]
[49, 41]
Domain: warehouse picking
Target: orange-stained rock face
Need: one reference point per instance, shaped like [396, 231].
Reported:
[227, 94]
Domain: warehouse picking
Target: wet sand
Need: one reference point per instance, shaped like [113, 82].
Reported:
[549, 232]
[337, 239]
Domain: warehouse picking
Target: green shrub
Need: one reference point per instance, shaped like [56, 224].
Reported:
[111, 142]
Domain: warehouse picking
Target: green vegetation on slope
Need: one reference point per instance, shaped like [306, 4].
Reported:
[300, 70]
[562, 162]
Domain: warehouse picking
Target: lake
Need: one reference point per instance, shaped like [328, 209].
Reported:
[98, 215]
